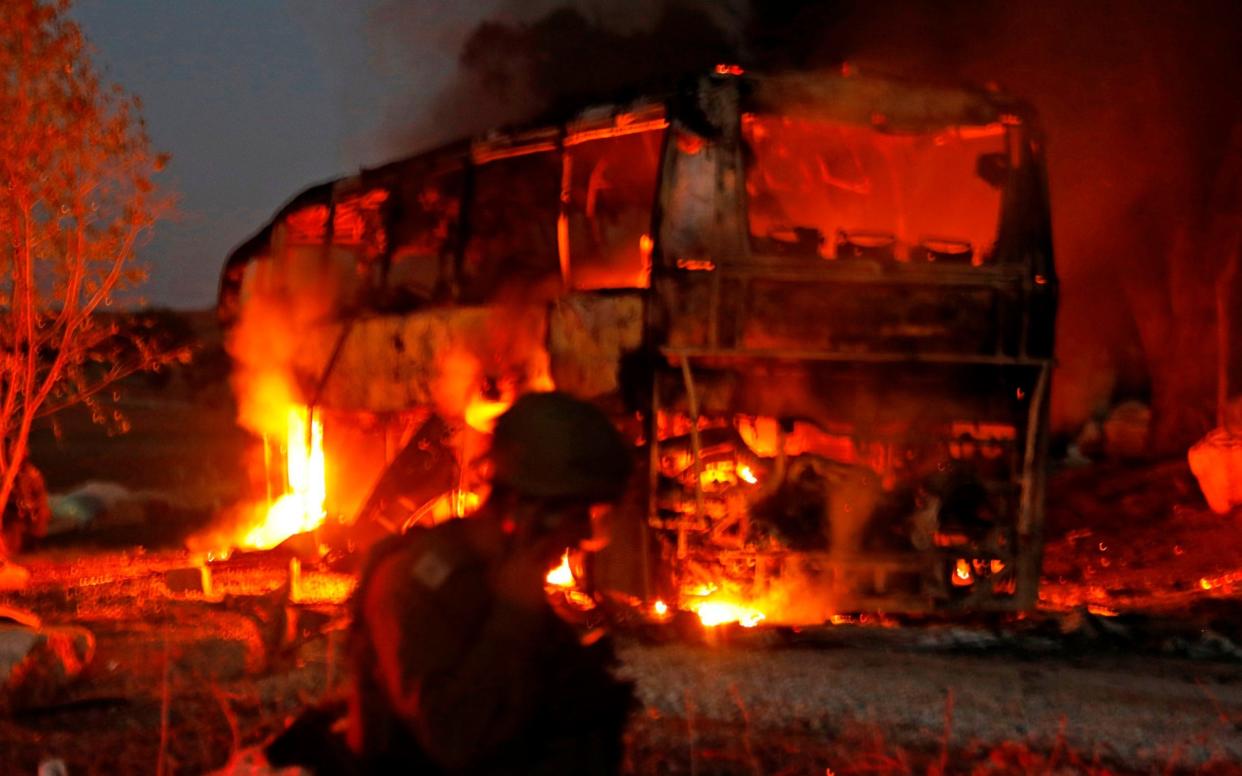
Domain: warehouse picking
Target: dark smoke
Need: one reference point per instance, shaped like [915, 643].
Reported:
[1138, 99]
[565, 59]
[515, 66]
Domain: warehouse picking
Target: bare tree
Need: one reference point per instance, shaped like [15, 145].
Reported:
[76, 169]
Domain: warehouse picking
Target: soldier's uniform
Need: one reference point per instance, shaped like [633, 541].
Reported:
[450, 676]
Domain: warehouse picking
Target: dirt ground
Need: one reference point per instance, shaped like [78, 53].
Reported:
[1132, 665]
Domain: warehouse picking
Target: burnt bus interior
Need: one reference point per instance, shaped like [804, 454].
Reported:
[821, 305]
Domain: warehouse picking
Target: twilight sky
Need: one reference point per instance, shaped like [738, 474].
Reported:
[259, 99]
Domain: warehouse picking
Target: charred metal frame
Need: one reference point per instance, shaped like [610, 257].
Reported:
[711, 110]
[1023, 265]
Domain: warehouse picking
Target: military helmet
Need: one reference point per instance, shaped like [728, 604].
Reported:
[552, 445]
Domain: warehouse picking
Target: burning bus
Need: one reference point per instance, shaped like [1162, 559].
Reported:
[821, 306]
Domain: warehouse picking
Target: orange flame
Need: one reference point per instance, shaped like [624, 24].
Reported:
[481, 414]
[962, 575]
[465, 502]
[301, 508]
[562, 575]
[720, 609]
[713, 613]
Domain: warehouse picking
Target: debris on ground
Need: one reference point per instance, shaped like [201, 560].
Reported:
[1132, 664]
[38, 663]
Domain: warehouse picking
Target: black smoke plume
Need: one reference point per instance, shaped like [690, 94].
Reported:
[1138, 98]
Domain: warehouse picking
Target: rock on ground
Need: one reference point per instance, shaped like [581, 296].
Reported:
[37, 663]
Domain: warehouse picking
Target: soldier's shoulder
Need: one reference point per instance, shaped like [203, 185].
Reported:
[426, 557]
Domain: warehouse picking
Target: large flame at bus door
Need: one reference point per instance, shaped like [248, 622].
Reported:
[301, 507]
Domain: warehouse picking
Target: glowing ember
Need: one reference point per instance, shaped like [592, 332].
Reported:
[745, 473]
[696, 265]
[301, 508]
[561, 576]
[962, 575]
[660, 609]
[1205, 584]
